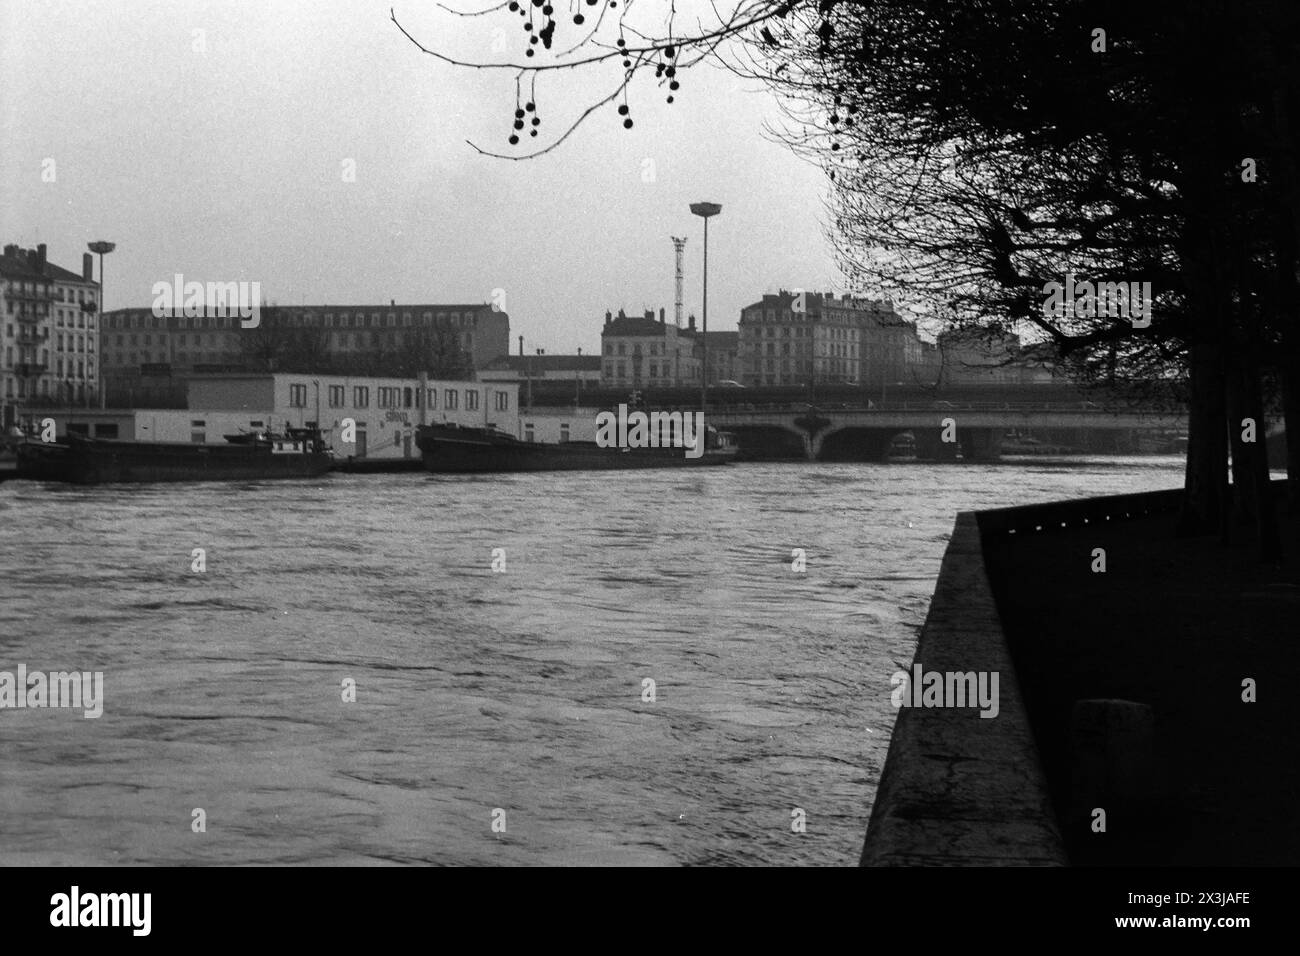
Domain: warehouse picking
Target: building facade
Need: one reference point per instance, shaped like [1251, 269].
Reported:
[972, 357]
[640, 351]
[384, 412]
[801, 338]
[137, 341]
[50, 349]
[724, 357]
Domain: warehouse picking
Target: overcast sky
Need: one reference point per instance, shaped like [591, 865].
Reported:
[221, 155]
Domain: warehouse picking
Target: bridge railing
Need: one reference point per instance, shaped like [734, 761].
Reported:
[1083, 408]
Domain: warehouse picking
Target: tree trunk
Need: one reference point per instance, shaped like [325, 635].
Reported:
[1205, 482]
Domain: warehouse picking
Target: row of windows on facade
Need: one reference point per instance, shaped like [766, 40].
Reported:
[28, 356]
[655, 348]
[799, 332]
[45, 387]
[836, 316]
[62, 317]
[339, 339]
[804, 350]
[395, 397]
[147, 320]
[61, 293]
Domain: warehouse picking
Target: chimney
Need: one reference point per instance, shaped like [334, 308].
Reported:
[11, 251]
[608, 317]
[88, 267]
[521, 346]
[39, 265]
[661, 316]
[650, 314]
[691, 324]
[392, 302]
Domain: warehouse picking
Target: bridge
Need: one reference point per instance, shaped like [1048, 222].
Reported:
[939, 429]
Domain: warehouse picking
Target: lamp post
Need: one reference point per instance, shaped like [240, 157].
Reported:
[101, 249]
[705, 210]
[577, 381]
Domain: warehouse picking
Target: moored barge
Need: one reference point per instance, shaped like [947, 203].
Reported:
[300, 453]
[454, 449]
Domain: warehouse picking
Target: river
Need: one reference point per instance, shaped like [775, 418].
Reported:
[500, 717]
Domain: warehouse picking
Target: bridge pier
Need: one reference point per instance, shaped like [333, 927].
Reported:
[931, 447]
[980, 444]
[854, 444]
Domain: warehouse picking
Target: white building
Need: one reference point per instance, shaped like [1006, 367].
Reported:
[384, 412]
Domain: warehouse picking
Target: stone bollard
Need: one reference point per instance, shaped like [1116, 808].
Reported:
[1113, 762]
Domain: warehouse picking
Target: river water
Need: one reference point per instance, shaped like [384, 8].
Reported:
[516, 696]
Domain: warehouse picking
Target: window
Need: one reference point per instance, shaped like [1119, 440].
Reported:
[387, 397]
[622, 348]
[298, 396]
[609, 348]
[433, 398]
[361, 396]
[337, 395]
[503, 401]
[392, 319]
[451, 399]
[622, 370]
[564, 432]
[471, 399]
[528, 432]
[406, 397]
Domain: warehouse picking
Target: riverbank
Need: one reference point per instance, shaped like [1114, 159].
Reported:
[1178, 625]
[1159, 644]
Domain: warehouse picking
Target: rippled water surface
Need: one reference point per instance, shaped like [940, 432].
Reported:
[477, 691]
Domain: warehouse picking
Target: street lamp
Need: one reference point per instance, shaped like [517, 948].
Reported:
[100, 248]
[704, 210]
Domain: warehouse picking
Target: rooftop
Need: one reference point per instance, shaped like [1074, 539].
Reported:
[19, 263]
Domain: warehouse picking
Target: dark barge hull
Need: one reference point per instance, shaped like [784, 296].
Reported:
[99, 461]
[450, 450]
